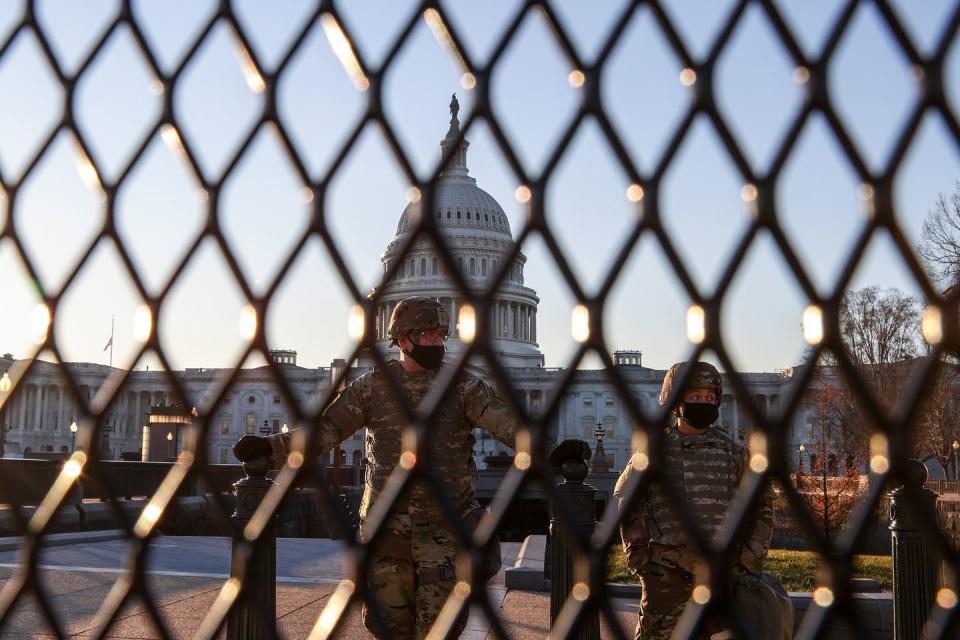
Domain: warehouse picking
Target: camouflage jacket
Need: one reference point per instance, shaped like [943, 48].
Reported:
[367, 402]
[706, 475]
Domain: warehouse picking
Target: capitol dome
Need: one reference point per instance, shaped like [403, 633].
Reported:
[477, 232]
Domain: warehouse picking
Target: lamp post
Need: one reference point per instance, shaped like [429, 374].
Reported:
[800, 451]
[284, 428]
[5, 383]
[600, 463]
[73, 435]
[956, 472]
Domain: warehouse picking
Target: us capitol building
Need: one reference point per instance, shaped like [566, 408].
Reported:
[37, 417]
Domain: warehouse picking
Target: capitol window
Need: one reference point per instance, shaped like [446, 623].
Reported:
[483, 267]
[458, 215]
[473, 267]
[251, 422]
[486, 217]
[587, 401]
[423, 266]
[468, 215]
[225, 424]
[251, 400]
[448, 215]
[434, 266]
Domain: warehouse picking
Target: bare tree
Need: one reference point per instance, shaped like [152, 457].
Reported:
[940, 421]
[881, 336]
[837, 444]
[940, 239]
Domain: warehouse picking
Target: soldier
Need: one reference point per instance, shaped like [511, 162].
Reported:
[412, 569]
[705, 466]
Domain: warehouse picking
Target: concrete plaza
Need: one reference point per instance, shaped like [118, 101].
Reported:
[186, 573]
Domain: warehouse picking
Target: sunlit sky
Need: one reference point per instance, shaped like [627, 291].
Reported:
[160, 209]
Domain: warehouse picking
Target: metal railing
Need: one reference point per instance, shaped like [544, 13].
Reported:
[699, 73]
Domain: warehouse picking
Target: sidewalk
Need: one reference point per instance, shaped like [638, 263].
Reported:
[77, 577]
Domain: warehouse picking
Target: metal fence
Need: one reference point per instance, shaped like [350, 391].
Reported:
[878, 185]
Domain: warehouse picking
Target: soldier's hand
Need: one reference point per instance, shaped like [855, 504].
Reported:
[250, 448]
[570, 449]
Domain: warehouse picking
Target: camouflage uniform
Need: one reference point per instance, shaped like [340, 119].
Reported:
[413, 559]
[705, 471]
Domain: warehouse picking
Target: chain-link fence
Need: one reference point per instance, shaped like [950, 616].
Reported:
[772, 449]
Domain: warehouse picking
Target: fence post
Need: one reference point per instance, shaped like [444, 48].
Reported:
[916, 557]
[580, 497]
[261, 577]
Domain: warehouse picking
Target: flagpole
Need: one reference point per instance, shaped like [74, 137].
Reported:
[112, 317]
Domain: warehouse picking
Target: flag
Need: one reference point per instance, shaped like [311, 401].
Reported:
[109, 344]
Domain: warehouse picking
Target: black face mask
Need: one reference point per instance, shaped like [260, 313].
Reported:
[426, 356]
[700, 415]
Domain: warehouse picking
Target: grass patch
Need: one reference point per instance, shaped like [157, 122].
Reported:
[797, 570]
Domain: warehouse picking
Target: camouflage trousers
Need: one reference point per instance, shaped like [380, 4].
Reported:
[410, 577]
[665, 594]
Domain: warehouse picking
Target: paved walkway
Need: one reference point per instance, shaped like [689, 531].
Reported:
[186, 574]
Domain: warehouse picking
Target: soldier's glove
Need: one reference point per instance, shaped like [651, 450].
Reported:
[250, 448]
[570, 449]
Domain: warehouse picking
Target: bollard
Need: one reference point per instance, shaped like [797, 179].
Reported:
[580, 497]
[261, 579]
[916, 557]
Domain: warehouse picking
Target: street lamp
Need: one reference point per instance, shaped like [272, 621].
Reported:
[284, 428]
[599, 462]
[800, 451]
[5, 383]
[956, 472]
[73, 436]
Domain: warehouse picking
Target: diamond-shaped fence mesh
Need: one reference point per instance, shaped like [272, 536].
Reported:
[891, 428]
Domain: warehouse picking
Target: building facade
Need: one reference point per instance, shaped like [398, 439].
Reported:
[475, 229]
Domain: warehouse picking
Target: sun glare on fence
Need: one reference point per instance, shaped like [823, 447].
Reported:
[250, 72]
[688, 77]
[335, 607]
[576, 78]
[88, 172]
[696, 324]
[439, 29]
[39, 323]
[946, 598]
[467, 323]
[758, 452]
[811, 324]
[823, 596]
[74, 466]
[355, 322]
[931, 325]
[171, 138]
[522, 194]
[879, 453]
[142, 323]
[248, 323]
[701, 594]
[580, 323]
[343, 49]
[634, 193]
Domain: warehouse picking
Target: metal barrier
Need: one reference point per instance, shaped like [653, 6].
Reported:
[889, 451]
[916, 558]
[568, 573]
[254, 566]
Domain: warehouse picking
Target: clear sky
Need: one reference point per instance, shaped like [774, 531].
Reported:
[160, 209]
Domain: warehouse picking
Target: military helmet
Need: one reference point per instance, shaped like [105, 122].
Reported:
[704, 376]
[418, 313]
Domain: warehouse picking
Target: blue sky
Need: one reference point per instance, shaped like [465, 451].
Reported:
[161, 207]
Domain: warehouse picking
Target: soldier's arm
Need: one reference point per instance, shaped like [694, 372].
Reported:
[486, 409]
[633, 530]
[759, 529]
[345, 414]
